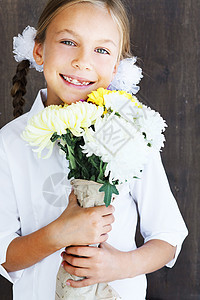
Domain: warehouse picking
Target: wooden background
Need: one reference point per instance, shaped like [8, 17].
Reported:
[166, 39]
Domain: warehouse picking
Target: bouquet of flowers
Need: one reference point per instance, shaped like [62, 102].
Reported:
[107, 141]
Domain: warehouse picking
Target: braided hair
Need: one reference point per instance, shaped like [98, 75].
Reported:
[18, 90]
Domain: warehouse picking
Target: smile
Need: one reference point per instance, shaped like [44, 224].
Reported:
[75, 81]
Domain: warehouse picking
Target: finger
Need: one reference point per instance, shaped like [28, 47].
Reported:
[80, 272]
[109, 219]
[83, 251]
[73, 198]
[104, 245]
[105, 210]
[81, 283]
[79, 262]
[107, 228]
[103, 238]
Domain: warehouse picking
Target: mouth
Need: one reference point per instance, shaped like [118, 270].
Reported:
[75, 81]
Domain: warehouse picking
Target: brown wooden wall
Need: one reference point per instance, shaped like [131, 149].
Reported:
[166, 39]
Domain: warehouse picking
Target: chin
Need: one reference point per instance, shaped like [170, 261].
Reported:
[72, 101]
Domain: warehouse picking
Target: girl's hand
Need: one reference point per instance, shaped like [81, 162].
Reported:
[82, 226]
[103, 264]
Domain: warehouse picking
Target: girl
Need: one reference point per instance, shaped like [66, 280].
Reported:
[79, 44]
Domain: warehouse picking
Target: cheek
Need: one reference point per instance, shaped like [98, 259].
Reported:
[108, 71]
[54, 54]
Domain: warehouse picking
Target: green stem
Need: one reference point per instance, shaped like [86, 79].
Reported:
[71, 157]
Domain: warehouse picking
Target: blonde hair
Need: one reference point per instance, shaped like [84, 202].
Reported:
[115, 8]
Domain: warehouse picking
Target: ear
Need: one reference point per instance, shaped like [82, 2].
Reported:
[38, 53]
[115, 69]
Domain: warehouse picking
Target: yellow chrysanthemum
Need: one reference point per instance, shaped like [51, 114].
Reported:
[76, 117]
[97, 97]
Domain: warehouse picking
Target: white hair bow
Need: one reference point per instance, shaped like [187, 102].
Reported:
[23, 45]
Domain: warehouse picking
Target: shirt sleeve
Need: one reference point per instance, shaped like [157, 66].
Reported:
[160, 217]
[9, 216]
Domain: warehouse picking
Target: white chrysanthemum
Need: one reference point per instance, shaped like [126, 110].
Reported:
[129, 160]
[41, 127]
[86, 113]
[76, 117]
[152, 124]
[23, 47]
[126, 107]
[127, 77]
[120, 145]
[145, 119]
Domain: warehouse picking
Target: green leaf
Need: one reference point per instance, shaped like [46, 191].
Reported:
[79, 153]
[93, 178]
[63, 148]
[102, 169]
[117, 114]
[100, 181]
[95, 161]
[71, 174]
[54, 137]
[69, 138]
[108, 189]
[84, 168]
[144, 134]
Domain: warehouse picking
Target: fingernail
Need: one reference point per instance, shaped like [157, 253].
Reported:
[62, 254]
[62, 264]
[68, 283]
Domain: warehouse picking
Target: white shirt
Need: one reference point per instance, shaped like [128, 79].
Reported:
[34, 192]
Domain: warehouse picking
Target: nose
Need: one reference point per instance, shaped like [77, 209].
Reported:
[82, 61]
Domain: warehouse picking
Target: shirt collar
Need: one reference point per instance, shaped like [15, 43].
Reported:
[38, 104]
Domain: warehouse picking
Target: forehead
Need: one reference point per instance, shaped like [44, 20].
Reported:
[94, 21]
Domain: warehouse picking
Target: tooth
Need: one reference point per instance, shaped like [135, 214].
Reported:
[75, 81]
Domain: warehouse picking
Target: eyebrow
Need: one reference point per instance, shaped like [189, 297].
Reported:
[76, 35]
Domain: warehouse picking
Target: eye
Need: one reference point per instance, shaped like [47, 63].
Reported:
[102, 51]
[68, 43]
